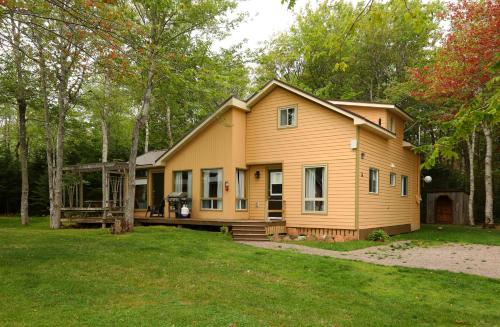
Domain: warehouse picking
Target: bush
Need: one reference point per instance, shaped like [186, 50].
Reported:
[378, 235]
[224, 230]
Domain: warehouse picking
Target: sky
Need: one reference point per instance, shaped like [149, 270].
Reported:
[265, 19]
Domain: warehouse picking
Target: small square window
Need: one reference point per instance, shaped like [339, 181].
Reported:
[287, 117]
[392, 179]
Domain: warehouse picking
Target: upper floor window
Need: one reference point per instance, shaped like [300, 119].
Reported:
[404, 185]
[373, 181]
[392, 124]
[287, 117]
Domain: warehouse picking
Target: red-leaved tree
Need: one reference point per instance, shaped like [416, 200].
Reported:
[458, 76]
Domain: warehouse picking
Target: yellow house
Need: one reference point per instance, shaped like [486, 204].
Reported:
[286, 158]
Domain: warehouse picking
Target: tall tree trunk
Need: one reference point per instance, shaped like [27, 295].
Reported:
[105, 143]
[488, 184]
[170, 138]
[63, 103]
[48, 139]
[146, 138]
[141, 119]
[21, 117]
[471, 144]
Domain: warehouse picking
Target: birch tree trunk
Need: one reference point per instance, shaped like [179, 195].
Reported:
[488, 184]
[21, 118]
[105, 145]
[141, 119]
[170, 138]
[49, 150]
[471, 144]
[146, 138]
[63, 103]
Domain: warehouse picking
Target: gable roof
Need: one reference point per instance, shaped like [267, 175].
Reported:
[234, 102]
[149, 158]
[231, 102]
[358, 119]
[392, 107]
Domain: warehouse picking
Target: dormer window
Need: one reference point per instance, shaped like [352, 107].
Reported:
[287, 117]
[392, 124]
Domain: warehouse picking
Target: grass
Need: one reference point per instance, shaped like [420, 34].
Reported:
[179, 277]
[428, 235]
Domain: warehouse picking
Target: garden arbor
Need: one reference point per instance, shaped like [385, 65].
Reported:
[111, 206]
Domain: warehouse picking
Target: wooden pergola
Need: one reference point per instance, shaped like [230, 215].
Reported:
[112, 204]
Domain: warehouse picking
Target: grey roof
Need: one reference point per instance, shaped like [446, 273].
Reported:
[149, 158]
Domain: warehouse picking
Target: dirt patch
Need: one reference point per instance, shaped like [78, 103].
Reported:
[475, 259]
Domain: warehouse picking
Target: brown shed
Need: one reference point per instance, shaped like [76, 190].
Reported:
[447, 207]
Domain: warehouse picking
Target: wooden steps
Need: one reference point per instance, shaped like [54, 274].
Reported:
[250, 231]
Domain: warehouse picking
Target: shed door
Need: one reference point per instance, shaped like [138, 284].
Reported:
[444, 210]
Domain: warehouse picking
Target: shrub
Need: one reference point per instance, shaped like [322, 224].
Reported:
[224, 230]
[378, 235]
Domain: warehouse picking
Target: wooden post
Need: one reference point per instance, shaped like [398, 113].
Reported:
[81, 191]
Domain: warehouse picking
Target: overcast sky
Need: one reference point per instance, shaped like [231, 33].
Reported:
[265, 19]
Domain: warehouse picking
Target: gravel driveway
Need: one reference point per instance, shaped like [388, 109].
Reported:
[475, 259]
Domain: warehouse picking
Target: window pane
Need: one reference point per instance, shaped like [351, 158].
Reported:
[276, 188]
[205, 204]
[319, 182]
[283, 117]
[319, 205]
[373, 180]
[291, 117]
[309, 206]
[141, 197]
[240, 184]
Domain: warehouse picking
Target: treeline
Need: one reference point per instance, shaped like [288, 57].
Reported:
[88, 81]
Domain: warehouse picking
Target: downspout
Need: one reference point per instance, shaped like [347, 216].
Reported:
[356, 185]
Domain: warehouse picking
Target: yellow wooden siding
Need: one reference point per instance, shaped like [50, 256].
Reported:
[321, 137]
[388, 207]
[370, 113]
[213, 148]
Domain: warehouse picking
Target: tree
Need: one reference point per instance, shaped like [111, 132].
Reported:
[457, 78]
[157, 27]
[341, 51]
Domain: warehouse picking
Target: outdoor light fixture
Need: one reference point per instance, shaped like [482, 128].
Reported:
[257, 174]
[226, 185]
[427, 179]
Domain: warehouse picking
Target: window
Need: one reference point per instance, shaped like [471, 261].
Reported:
[392, 179]
[141, 189]
[404, 185]
[275, 183]
[183, 182]
[241, 201]
[211, 189]
[287, 117]
[392, 124]
[315, 189]
[373, 181]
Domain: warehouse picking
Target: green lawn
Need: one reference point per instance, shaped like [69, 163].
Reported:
[163, 276]
[428, 235]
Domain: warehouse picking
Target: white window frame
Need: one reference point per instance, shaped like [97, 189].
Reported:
[212, 200]
[271, 183]
[404, 185]
[392, 179]
[392, 124]
[324, 186]
[376, 180]
[287, 108]
[240, 201]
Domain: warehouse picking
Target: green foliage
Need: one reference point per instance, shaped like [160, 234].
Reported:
[378, 235]
[346, 52]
